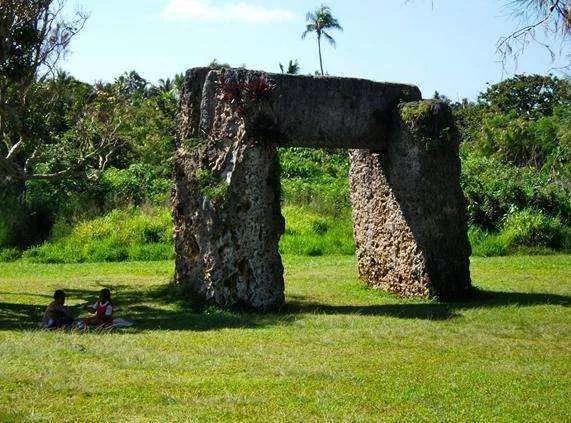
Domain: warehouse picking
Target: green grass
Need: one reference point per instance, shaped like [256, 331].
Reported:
[315, 234]
[146, 235]
[131, 234]
[338, 352]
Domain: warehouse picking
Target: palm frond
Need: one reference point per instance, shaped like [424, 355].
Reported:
[308, 29]
[323, 18]
[334, 24]
[329, 38]
[293, 67]
[310, 17]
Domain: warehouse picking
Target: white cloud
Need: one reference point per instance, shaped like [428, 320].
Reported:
[206, 10]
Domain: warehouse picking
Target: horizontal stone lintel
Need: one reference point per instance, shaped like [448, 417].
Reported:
[310, 111]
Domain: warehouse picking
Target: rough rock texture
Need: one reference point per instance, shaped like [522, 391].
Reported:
[408, 208]
[308, 111]
[409, 217]
[226, 209]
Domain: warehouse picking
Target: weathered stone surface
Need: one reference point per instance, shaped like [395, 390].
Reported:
[408, 209]
[226, 211]
[409, 216]
[189, 115]
[307, 111]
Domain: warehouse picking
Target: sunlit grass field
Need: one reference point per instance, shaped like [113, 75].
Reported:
[338, 352]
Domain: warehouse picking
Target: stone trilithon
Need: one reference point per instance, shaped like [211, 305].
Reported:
[408, 208]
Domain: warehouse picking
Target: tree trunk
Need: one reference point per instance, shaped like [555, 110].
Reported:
[320, 58]
[21, 225]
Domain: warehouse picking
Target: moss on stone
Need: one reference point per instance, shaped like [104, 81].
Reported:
[415, 113]
[430, 120]
[190, 144]
[212, 186]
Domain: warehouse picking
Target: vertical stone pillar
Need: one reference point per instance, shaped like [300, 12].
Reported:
[226, 205]
[408, 208]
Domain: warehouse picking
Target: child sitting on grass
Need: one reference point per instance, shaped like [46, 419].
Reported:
[103, 310]
[56, 314]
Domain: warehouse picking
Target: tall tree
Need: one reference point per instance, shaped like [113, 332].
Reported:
[33, 39]
[320, 21]
[34, 112]
[530, 96]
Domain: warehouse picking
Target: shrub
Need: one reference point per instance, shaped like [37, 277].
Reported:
[5, 232]
[529, 228]
[315, 178]
[153, 234]
[527, 231]
[485, 244]
[313, 234]
[313, 163]
[120, 235]
[151, 252]
[138, 184]
[327, 196]
[9, 254]
[320, 226]
[106, 250]
[494, 190]
[22, 222]
[519, 141]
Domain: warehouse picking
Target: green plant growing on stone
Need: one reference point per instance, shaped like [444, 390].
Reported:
[190, 144]
[426, 118]
[212, 186]
[243, 95]
[413, 114]
[215, 64]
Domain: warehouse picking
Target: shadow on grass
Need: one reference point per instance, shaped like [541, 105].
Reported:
[432, 310]
[160, 309]
[150, 309]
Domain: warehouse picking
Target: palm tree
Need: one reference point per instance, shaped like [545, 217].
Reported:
[165, 85]
[292, 67]
[318, 21]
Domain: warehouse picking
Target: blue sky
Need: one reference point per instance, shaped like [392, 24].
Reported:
[449, 47]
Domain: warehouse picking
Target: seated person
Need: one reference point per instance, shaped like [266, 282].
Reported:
[56, 314]
[103, 310]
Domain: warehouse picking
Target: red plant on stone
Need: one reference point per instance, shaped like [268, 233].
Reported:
[259, 88]
[244, 94]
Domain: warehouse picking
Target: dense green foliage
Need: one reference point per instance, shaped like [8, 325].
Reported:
[316, 178]
[529, 96]
[146, 234]
[517, 165]
[135, 118]
[337, 352]
[118, 236]
[515, 176]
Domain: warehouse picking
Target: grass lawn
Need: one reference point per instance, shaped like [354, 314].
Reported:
[339, 351]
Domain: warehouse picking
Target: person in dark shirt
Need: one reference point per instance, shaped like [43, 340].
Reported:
[56, 314]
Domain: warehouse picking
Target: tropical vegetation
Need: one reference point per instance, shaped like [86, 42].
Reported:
[79, 159]
[321, 22]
